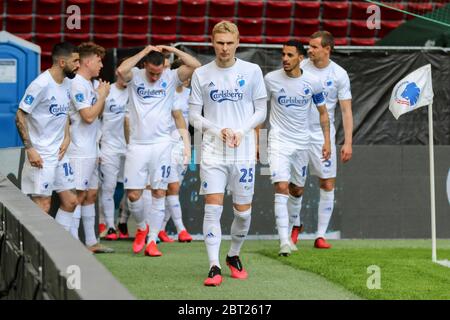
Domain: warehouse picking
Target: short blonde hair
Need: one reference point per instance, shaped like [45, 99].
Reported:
[225, 26]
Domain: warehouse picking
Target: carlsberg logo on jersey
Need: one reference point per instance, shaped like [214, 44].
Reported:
[226, 95]
[58, 110]
[292, 101]
[115, 108]
[150, 93]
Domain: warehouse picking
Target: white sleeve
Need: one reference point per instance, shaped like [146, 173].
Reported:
[258, 117]
[31, 97]
[344, 91]
[259, 88]
[79, 96]
[267, 83]
[196, 91]
[201, 123]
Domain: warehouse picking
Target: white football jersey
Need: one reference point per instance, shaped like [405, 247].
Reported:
[150, 106]
[290, 102]
[47, 104]
[112, 128]
[180, 102]
[83, 94]
[227, 96]
[336, 86]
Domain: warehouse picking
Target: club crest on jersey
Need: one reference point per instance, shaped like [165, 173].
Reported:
[329, 83]
[45, 185]
[163, 84]
[29, 99]
[58, 110]
[150, 93]
[79, 97]
[226, 95]
[288, 101]
[240, 80]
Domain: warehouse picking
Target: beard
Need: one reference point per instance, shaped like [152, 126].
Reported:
[70, 73]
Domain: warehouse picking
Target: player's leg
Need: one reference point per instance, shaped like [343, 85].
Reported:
[213, 179]
[174, 207]
[39, 184]
[124, 213]
[172, 190]
[65, 187]
[326, 171]
[242, 185]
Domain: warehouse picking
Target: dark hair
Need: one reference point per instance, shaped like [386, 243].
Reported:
[327, 38]
[154, 57]
[298, 45]
[63, 49]
[176, 64]
[87, 49]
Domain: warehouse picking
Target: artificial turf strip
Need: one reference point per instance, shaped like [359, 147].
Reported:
[406, 268]
[180, 272]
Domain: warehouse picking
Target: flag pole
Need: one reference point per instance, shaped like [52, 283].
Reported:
[432, 191]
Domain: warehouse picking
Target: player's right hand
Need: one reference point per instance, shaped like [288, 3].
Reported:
[326, 151]
[151, 48]
[35, 158]
[227, 136]
[103, 88]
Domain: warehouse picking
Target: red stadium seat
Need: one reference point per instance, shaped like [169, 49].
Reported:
[49, 6]
[164, 25]
[134, 24]
[1, 7]
[278, 9]
[192, 26]
[359, 10]
[388, 26]
[46, 60]
[250, 8]
[106, 24]
[362, 41]
[193, 8]
[84, 25]
[335, 10]
[19, 24]
[164, 7]
[276, 40]
[278, 27]
[213, 21]
[107, 40]
[19, 6]
[391, 14]
[250, 27]
[221, 8]
[305, 27]
[134, 40]
[47, 24]
[193, 38]
[24, 36]
[84, 5]
[107, 7]
[76, 38]
[358, 29]
[419, 8]
[135, 7]
[47, 41]
[251, 39]
[338, 28]
[163, 39]
[307, 10]
[340, 41]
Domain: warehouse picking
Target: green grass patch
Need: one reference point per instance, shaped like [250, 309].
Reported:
[405, 266]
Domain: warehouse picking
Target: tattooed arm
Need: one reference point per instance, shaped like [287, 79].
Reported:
[33, 156]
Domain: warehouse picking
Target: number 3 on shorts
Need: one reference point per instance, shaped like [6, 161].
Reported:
[244, 175]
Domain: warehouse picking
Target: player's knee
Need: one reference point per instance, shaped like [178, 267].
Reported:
[173, 189]
[281, 187]
[295, 190]
[45, 205]
[91, 197]
[134, 196]
[159, 193]
[327, 185]
[69, 203]
[241, 208]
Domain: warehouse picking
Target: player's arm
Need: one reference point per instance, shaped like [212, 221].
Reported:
[325, 125]
[189, 62]
[126, 129]
[347, 120]
[66, 142]
[124, 70]
[256, 119]
[90, 114]
[33, 156]
[184, 133]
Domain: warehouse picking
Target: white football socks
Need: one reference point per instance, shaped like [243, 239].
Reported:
[212, 232]
[156, 218]
[239, 230]
[326, 205]
[76, 217]
[64, 218]
[88, 217]
[294, 208]
[282, 217]
[174, 208]
[137, 210]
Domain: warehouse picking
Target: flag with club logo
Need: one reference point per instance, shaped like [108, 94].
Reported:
[412, 92]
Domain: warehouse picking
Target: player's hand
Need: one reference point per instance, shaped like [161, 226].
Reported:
[227, 136]
[103, 88]
[187, 155]
[151, 48]
[326, 151]
[237, 138]
[63, 148]
[165, 49]
[35, 158]
[346, 152]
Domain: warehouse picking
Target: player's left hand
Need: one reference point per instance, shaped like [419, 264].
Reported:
[63, 148]
[237, 138]
[186, 155]
[165, 49]
[326, 151]
[346, 152]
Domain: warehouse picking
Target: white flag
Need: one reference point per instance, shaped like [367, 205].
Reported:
[412, 92]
